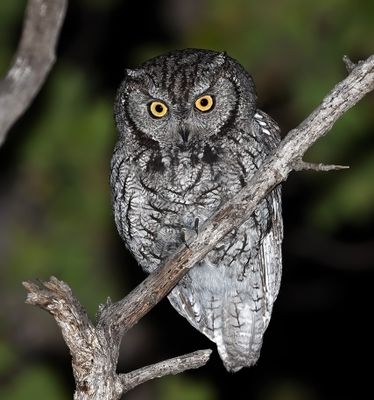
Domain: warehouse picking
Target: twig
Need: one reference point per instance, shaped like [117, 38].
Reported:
[349, 65]
[301, 165]
[94, 361]
[169, 367]
[33, 60]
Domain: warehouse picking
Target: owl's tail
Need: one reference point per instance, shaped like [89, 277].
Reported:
[236, 322]
[239, 333]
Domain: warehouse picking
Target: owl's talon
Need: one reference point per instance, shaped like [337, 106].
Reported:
[183, 238]
[196, 226]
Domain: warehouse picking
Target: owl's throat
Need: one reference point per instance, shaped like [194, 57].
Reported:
[188, 155]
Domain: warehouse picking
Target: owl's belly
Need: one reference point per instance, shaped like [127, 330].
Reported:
[163, 219]
[161, 212]
[160, 218]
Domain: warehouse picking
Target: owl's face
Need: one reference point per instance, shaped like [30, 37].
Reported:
[185, 98]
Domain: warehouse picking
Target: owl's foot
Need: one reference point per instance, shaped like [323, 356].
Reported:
[196, 226]
[188, 234]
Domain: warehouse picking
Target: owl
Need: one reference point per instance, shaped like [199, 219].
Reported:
[190, 138]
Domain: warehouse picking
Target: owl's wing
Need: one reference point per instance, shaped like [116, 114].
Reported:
[232, 307]
[231, 301]
[268, 129]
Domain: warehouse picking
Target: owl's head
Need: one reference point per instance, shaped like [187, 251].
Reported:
[185, 97]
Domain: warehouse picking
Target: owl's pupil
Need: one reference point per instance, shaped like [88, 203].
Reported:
[204, 102]
[159, 108]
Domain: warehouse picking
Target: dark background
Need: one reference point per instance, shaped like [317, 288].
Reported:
[55, 211]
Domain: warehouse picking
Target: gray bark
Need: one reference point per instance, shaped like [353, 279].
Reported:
[32, 62]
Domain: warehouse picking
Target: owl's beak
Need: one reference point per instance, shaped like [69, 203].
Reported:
[184, 134]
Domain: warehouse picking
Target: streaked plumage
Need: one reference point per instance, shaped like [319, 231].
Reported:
[174, 165]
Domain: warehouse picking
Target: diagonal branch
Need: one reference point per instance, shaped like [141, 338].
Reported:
[128, 311]
[32, 62]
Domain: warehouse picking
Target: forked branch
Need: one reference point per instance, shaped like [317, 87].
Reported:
[94, 350]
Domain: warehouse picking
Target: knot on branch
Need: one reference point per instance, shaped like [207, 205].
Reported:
[349, 65]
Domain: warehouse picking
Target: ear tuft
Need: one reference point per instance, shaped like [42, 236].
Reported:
[219, 59]
[134, 73]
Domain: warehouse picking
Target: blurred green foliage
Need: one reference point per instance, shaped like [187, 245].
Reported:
[7, 358]
[59, 196]
[37, 383]
[288, 390]
[64, 159]
[11, 13]
[182, 388]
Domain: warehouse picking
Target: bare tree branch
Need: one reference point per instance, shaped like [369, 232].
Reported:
[33, 60]
[301, 165]
[95, 349]
[169, 367]
[94, 352]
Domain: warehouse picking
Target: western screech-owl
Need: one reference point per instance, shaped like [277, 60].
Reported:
[190, 137]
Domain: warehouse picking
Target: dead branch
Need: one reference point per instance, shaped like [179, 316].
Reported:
[32, 62]
[168, 367]
[95, 349]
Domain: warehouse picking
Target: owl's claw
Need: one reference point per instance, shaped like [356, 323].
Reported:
[183, 238]
[187, 234]
[196, 226]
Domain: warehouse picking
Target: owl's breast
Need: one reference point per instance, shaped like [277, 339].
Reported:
[165, 209]
[193, 191]
[160, 205]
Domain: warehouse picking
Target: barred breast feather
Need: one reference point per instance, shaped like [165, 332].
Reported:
[171, 175]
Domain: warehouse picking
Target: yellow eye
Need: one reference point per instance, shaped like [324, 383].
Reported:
[158, 109]
[204, 103]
